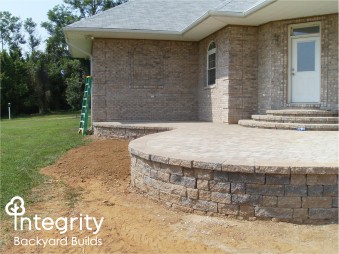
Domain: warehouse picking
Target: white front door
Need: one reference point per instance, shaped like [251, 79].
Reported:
[305, 71]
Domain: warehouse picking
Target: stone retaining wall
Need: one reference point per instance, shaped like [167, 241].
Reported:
[126, 131]
[299, 195]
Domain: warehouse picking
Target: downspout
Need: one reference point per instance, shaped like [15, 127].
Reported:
[91, 69]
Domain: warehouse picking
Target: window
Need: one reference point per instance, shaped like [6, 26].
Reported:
[299, 31]
[211, 64]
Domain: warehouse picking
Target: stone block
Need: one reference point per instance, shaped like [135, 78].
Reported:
[237, 168]
[218, 197]
[170, 188]
[216, 186]
[277, 179]
[188, 172]
[298, 180]
[301, 213]
[289, 202]
[330, 190]
[144, 167]
[202, 184]
[314, 170]
[203, 174]
[296, 190]
[265, 189]
[221, 176]
[238, 188]
[192, 193]
[272, 170]
[170, 197]
[154, 174]
[206, 206]
[162, 176]
[204, 195]
[323, 213]
[139, 154]
[182, 208]
[272, 212]
[178, 162]
[316, 202]
[207, 165]
[246, 199]
[188, 182]
[270, 201]
[246, 211]
[322, 179]
[170, 169]
[188, 202]
[335, 202]
[315, 190]
[228, 209]
[246, 178]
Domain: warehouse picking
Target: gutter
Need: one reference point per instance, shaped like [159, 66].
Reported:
[117, 30]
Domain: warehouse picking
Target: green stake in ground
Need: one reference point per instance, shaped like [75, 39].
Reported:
[85, 106]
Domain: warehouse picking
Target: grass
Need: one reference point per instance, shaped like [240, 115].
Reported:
[30, 143]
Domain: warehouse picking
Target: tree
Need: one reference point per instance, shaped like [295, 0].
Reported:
[10, 31]
[38, 73]
[33, 39]
[15, 84]
[50, 79]
[59, 17]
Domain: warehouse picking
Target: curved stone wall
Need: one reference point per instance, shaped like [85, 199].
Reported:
[299, 195]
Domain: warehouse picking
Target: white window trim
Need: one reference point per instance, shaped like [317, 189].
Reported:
[210, 52]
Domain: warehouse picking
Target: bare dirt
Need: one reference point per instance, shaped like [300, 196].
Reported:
[94, 179]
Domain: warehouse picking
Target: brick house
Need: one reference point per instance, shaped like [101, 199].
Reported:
[209, 60]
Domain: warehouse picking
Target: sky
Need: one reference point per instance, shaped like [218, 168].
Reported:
[35, 9]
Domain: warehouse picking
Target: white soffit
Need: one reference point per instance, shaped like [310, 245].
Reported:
[278, 10]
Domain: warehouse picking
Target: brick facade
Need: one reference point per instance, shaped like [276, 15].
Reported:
[273, 62]
[234, 95]
[166, 80]
[144, 80]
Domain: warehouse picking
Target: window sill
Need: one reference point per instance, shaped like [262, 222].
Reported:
[210, 86]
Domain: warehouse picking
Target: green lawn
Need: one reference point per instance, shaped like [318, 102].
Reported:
[30, 143]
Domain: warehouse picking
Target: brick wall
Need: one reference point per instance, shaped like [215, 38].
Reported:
[235, 94]
[273, 62]
[144, 80]
[166, 80]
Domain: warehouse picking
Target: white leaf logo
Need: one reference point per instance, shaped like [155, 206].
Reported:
[12, 208]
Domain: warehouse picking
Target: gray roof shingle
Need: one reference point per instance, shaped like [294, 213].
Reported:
[160, 15]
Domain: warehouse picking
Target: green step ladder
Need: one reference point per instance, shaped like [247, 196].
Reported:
[85, 107]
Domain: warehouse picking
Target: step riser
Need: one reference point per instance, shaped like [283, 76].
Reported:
[288, 126]
[297, 121]
[303, 115]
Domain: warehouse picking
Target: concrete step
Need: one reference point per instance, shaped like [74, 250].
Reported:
[303, 112]
[296, 119]
[288, 126]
